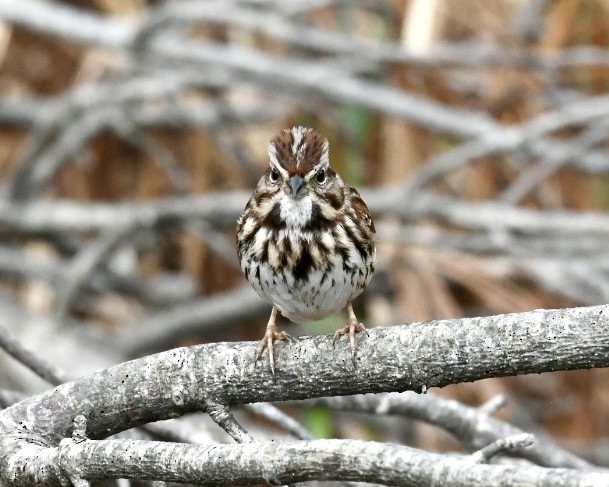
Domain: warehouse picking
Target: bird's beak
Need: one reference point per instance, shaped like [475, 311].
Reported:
[295, 183]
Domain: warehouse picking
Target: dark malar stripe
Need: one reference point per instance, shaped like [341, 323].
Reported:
[318, 221]
[273, 219]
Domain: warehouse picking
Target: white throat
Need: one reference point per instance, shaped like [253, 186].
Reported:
[296, 212]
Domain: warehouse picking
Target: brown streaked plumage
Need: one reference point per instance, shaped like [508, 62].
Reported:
[305, 240]
[299, 155]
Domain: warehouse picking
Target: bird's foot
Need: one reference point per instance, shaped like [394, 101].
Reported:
[271, 335]
[351, 328]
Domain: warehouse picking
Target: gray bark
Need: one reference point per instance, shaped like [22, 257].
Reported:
[276, 463]
[399, 358]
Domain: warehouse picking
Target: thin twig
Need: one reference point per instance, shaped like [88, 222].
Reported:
[281, 419]
[204, 315]
[223, 417]
[36, 364]
[503, 445]
[474, 426]
[493, 405]
[82, 266]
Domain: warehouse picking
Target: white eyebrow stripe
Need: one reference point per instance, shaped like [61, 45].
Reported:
[274, 162]
[272, 150]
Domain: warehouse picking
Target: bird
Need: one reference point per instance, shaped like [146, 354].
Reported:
[305, 239]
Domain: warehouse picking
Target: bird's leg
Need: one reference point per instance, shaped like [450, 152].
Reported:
[270, 336]
[352, 327]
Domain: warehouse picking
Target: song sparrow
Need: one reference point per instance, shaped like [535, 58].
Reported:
[305, 239]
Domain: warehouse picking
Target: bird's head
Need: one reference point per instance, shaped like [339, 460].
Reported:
[299, 162]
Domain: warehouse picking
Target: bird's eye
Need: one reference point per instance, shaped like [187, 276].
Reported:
[320, 177]
[274, 176]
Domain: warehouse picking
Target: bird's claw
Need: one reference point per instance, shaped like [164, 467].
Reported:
[267, 342]
[351, 328]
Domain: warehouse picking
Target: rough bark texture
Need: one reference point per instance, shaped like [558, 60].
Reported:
[278, 463]
[400, 358]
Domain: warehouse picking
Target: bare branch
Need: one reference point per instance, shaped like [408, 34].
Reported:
[473, 426]
[36, 364]
[503, 140]
[528, 179]
[224, 208]
[493, 405]
[8, 398]
[187, 429]
[282, 73]
[490, 215]
[82, 266]
[390, 359]
[209, 315]
[222, 417]
[503, 445]
[274, 463]
[111, 33]
[281, 419]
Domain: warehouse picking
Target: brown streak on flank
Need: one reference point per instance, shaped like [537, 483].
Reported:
[245, 240]
[361, 210]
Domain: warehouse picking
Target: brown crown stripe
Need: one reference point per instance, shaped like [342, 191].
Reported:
[305, 156]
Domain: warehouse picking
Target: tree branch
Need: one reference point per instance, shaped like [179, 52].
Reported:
[472, 426]
[36, 364]
[282, 73]
[223, 208]
[399, 358]
[286, 462]
[516, 442]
